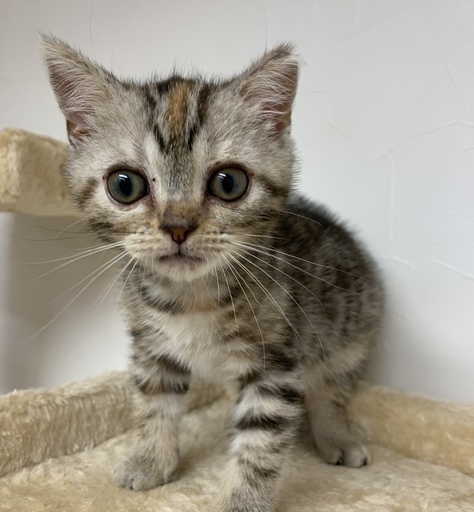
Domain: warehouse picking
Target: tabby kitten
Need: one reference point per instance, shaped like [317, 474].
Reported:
[234, 277]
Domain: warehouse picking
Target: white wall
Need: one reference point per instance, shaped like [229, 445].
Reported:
[384, 124]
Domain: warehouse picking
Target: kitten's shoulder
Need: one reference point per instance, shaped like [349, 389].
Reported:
[313, 229]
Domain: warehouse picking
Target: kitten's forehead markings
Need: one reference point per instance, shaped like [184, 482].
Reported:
[176, 118]
[179, 113]
[177, 110]
[154, 159]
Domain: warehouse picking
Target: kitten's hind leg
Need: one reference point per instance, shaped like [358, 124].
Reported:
[336, 439]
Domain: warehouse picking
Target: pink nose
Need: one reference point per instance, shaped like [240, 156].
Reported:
[178, 233]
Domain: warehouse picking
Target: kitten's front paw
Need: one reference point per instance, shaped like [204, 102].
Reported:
[350, 455]
[141, 472]
[242, 500]
[248, 507]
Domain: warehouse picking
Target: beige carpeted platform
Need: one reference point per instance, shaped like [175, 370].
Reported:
[423, 455]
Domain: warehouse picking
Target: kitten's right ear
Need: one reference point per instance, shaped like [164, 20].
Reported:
[80, 86]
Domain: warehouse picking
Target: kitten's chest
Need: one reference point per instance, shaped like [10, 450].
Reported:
[193, 324]
[196, 340]
[192, 335]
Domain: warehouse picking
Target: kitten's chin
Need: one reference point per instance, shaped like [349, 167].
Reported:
[180, 268]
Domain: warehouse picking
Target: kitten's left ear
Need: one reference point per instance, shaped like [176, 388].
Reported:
[270, 83]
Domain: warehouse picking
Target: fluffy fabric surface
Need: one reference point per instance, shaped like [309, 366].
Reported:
[423, 454]
[37, 424]
[30, 179]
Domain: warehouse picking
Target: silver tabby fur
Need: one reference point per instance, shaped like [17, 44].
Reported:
[269, 294]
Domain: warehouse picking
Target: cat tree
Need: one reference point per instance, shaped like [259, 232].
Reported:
[57, 447]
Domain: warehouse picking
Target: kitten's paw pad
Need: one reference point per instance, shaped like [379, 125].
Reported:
[352, 456]
[141, 473]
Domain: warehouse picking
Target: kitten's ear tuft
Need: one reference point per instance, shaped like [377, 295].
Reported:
[80, 86]
[270, 84]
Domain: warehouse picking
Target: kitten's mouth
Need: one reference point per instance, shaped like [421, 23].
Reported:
[180, 266]
[180, 259]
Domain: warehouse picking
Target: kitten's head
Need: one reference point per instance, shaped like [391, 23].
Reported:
[180, 170]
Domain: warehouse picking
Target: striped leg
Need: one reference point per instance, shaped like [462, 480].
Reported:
[265, 420]
[161, 389]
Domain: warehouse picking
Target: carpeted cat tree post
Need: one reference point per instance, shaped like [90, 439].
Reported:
[30, 181]
[57, 447]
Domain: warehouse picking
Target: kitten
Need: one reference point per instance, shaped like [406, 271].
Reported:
[235, 277]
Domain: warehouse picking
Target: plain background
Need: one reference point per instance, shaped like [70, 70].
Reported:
[385, 130]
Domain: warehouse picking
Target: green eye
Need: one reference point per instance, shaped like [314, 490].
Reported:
[126, 186]
[228, 184]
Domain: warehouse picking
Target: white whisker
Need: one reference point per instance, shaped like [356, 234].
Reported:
[215, 274]
[257, 249]
[232, 302]
[268, 294]
[291, 297]
[68, 227]
[303, 217]
[111, 285]
[285, 274]
[250, 305]
[82, 280]
[111, 263]
[126, 279]
[74, 257]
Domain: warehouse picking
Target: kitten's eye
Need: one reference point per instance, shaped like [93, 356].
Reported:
[126, 186]
[228, 184]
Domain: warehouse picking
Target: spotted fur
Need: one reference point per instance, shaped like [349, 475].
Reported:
[268, 293]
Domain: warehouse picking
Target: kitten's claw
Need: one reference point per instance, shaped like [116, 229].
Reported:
[141, 473]
[352, 455]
